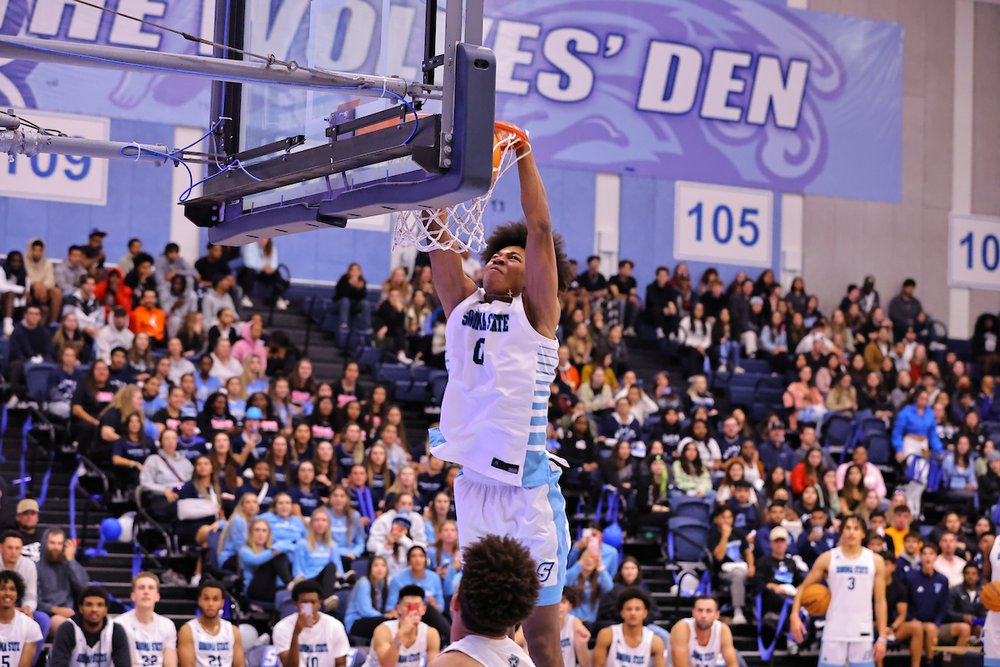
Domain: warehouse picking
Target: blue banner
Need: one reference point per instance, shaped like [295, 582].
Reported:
[731, 92]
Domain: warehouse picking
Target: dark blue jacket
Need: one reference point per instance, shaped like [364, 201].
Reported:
[928, 597]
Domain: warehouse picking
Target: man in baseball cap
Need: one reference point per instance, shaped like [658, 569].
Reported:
[27, 525]
[777, 575]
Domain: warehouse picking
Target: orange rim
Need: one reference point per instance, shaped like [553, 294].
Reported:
[510, 128]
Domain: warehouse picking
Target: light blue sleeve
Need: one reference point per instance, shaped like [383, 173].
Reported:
[573, 572]
[395, 584]
[451, 579]
[357, 546]
[438, 587]
[298, 557]
[604, 582]
[361, 600]
[335, 558]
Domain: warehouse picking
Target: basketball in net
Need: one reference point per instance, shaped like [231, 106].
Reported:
[460, 228]
[816, 599]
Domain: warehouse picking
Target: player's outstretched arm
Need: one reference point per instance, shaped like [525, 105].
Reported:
[27, 655]
[185, 646]
[881, 609]
[581, 637]
[680, 636]
[541, 273]
[657, 649]
[728, 647]
[602, 647]
[450, 282]
[238, 658]
[816, 575]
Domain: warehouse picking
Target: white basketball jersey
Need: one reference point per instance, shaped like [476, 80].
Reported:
[319, 645]
[414, 655]
[704, 655]
[621, 654]
[98, 655]
[852, 585]
[213, 650]
[566, 642]
[995, 561]
[147, 641]
[495, 406]
[14, 636]
[492, 652]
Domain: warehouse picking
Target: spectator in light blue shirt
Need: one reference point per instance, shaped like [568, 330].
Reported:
[959, 468]
[317, 556]
[286, 526]
[915, 429]
[345, 525]
[367, 606]
[418, 574]
[591, 579]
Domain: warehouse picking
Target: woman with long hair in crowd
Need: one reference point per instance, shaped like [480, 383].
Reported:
[199, 509]
[367, 607]
[853, 492]
[317, 557]
[303, 386]
[345, 526]
[227, 470]
[691, 477]
[591, 580]
[236, 532]
[302, 445]
[305, 497]
[809, 471]
[445, 557]
[140, 357]
[398, 457]
[280, 460]
[436, 514]
[380, 477]
[417, 573]
[324, 467]
[734, 471]
[280, 396]
[374, 411]
[406, 482]
[264, 562]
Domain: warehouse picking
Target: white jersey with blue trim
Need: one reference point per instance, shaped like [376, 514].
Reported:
[708, 654]
[620, 654]
[566, 633]
[218, 650]
[495, 406]
[15, 636]
[851, 581]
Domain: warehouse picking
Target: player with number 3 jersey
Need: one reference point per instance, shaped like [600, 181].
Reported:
[855, 576]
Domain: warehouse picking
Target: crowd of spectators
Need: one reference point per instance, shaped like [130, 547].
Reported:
[164, 378]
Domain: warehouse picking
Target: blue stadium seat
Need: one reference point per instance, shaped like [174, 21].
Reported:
[758, 366]
[879, 450]
[690, 507]
[37, 377]
[742, 396]
[687, 539]
[839, 432]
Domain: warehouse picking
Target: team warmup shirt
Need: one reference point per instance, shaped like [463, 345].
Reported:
[210, 650]
[319, 646]
[14, 636]
[147, 641]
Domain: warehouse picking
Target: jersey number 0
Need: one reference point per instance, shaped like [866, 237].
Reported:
[477, 352]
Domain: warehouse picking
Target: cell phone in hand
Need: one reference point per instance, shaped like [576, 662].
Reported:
[307, 609]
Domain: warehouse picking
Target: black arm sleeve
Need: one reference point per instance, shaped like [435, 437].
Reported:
[63, 644]
[121, 656]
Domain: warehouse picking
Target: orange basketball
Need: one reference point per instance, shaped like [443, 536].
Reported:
[816, 599]
[506, 136]
[991, 596]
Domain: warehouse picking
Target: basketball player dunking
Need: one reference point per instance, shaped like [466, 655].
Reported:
[501, 354]
[855, 576]
[991, 630]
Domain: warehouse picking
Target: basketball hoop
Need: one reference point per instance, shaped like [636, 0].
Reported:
[460, 228]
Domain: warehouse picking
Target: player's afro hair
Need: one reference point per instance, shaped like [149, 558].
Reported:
[499, 585]
[516, 234]
[15, 578]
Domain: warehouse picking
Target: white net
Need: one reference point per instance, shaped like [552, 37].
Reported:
[457, 228]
